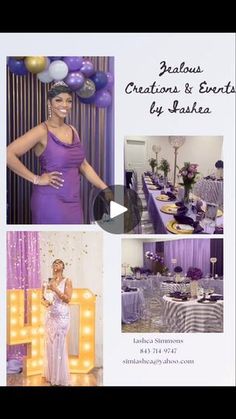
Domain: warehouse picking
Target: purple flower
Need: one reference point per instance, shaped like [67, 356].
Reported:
[194, 273]
[219, 164]
[178, 269]
[188, 173]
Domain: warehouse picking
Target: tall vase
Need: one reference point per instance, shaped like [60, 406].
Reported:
[178, 277]
[187, 191]
[194, 288]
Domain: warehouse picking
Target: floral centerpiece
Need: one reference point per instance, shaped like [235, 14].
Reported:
[194, 274]
[219, 165]
[164, 167]
[178, 271]
[153, 163]
[158, 262]
[188, 173]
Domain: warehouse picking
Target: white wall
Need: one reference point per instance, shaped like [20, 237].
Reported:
[203, 150]
[132, 253]
[82, 255]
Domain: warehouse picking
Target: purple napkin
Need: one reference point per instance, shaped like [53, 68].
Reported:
[183, 219]
[171, 196]
[182, 210]
[219, 230]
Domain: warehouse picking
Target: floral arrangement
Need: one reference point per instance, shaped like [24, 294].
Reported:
[188, 173]
[164, 167]
[154, 256]
[219, 164]
[153, 163]
[178, 269]
[194, 273]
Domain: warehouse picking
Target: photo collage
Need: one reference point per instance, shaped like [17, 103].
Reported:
[118, 253]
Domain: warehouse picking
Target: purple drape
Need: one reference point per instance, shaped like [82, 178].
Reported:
[151, 247]
[188, 253]
[23, 270]
[217, 251]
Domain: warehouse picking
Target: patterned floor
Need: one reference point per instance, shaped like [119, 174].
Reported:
[151, 322]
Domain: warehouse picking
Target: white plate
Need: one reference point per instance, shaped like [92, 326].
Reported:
[186, 227]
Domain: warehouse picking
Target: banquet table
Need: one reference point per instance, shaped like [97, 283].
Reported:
[193, 317]
[216, 284]
[172, 287]
[160, 219]
[145, 284]
[133, 305]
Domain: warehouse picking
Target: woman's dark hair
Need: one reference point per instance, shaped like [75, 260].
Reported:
[60, 261]
[56, 89]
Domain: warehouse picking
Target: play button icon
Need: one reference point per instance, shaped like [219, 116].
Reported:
[117, 209]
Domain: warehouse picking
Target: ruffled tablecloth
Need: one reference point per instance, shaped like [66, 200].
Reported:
[210, 191]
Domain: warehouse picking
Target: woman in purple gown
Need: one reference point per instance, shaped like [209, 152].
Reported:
[56, 192]
[56, 297]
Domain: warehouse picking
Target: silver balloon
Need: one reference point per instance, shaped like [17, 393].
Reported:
[87, 90]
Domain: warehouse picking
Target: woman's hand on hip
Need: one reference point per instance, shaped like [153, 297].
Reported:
[53, 179]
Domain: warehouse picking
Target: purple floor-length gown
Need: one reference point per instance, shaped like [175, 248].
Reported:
[59, 206]
[57, 323]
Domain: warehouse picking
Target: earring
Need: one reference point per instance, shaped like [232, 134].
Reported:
[49, 111]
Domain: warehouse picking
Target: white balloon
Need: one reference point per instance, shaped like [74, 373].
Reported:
[45, 77]
[58, 70]
[48, 63]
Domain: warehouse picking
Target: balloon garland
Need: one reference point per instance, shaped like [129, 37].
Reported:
[91, 86]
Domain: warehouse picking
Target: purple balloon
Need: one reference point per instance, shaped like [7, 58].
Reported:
[17, 67]
[54, 58]
[100, 79]
[87, 100]
[110, 80]
[102, 99]
[73, 63]
[87, 68]
[74, 80]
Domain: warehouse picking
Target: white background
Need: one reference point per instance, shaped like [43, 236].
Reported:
[137, 59]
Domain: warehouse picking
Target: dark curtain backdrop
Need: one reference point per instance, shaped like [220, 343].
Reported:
[217, 250]
[27, 107]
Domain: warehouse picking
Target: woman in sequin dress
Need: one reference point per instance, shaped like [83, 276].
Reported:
[57, 323]
[56, 192]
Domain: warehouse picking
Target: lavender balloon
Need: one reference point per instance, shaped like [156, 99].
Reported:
[110, 80]
[87, 68]
[74, 80]
[87, 90]
[73, 63]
